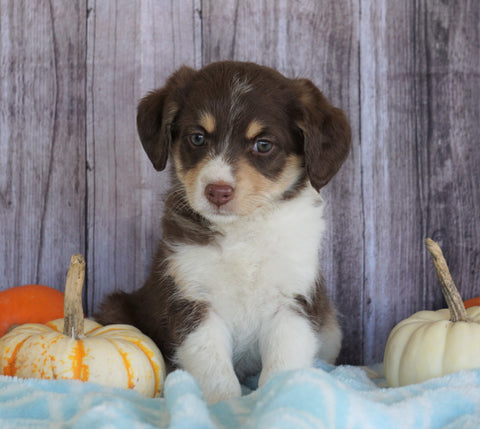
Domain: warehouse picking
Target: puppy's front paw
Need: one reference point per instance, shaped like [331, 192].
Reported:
[288, 343]
[206, 354]
[227, 388]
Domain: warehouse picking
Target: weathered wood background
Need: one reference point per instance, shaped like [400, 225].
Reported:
[73, 177]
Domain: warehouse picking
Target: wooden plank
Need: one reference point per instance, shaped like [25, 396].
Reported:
[307, 41]
[132, 48]
[419, 80]
[449, 41]
[387, 148]
[42, 134]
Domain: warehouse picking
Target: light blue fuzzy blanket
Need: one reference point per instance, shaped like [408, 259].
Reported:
[327, 397]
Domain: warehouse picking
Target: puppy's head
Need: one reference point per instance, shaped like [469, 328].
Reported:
[242, 136]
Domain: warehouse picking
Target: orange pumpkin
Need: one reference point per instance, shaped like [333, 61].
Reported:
[472, 302]
[29, 304]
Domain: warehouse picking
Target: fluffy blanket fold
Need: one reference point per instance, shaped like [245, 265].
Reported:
[324, 397]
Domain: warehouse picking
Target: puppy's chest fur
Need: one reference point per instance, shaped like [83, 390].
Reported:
[254, 266]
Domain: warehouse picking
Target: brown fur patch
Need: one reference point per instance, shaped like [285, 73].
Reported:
[254, 129]
[315, 308]
[189, 177]
[167, 319]
[208, 122]
[254, 189]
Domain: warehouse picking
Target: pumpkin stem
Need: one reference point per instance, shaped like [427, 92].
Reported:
[72, 308]
[449, 290]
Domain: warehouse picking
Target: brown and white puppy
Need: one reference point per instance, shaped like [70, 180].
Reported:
[236, 287]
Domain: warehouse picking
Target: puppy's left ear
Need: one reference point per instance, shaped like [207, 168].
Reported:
[326, 134]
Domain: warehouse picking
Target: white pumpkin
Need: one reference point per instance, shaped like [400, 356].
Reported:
[434, 343]
[74, 348]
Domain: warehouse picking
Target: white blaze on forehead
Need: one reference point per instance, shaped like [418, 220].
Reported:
[239, 86]
[216, 170]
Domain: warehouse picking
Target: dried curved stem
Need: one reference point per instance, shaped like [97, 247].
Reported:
[73, 324]
[449, 290]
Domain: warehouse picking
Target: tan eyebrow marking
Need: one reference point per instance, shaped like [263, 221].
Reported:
[207, 121]
[254, 128]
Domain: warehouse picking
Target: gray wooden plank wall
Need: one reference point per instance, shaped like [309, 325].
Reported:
[73, 177]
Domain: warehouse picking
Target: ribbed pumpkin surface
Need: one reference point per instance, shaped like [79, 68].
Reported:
[428, 345]
[113, 355]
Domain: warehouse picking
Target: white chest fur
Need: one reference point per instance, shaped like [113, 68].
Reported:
[256, 265]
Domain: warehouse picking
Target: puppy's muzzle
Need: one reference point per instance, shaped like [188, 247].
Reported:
[219, 193]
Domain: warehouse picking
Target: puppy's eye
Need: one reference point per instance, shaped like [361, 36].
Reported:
[198, 140]
[262, 146]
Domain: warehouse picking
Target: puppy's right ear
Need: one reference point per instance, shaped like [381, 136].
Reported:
[155, 115]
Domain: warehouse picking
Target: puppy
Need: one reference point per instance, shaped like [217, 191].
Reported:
[236, 287]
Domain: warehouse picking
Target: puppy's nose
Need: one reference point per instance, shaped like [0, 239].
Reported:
[219, 193]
